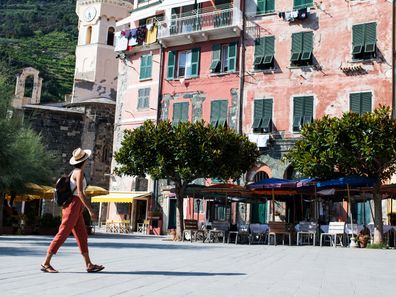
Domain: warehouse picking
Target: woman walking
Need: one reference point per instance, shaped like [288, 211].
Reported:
[72, 215]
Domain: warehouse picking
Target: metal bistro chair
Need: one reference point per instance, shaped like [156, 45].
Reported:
[306, 232]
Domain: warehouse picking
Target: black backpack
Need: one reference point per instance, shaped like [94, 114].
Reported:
[63, 193]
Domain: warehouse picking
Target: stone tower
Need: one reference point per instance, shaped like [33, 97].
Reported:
[96, 64]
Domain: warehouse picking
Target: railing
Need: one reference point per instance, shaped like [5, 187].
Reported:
[200, 22]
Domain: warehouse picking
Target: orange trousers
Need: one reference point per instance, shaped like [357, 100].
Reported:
[72, 221]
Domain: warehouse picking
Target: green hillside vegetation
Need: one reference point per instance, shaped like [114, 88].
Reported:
[43, 35]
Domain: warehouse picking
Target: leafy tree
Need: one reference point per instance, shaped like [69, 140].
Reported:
[184, 153]
[23, 156]
[351, 145]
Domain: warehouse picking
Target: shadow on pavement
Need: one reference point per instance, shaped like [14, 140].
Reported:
[169, 273]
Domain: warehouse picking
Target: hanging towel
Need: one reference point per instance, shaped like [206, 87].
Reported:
[121, 42]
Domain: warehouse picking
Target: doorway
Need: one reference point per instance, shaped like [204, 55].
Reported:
[172, 214]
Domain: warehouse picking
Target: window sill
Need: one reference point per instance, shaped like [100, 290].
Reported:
[145, 79]
[271, 70]
[265, 14]
[223, 73]
[363, 61]
[180, 78]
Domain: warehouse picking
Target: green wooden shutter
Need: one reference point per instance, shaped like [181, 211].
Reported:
[140, 91]
[177, 113]
[170, 74]
[297, 39]
[262, 213]
[214, 112]
[354, 102]
[184, 112]
[259, 51]
[260, 6]
[223, 112]
[357, 38]
[266, 124]
[269, 50]
[194, 62]
[365, 102]
[308, 109]
[258, 113]
[149, 63]
[270, 6]
[370, 39]
[307, 46]
[232, 56]
[216, 52]
[298, 109]
[143, 62]
[302, 4]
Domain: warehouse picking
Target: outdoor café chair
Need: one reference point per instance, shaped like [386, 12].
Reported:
[307, 231]
[336, 231]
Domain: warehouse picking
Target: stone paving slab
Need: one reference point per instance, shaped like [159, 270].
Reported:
[152, 266]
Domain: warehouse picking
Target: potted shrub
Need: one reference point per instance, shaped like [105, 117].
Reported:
[48, 224]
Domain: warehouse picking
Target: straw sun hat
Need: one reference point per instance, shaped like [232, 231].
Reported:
[79, 155]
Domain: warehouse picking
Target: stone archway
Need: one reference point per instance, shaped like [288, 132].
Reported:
[20, 99]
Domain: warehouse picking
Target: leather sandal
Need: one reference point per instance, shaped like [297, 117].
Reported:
[94, 268]
[48, 268]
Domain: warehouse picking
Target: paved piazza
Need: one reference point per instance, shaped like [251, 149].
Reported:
[154, 266]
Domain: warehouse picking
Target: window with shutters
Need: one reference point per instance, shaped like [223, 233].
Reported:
[224, 58]
[262, 117]
[364, 41]
[183, 64]
[145, 67]
[180, 113]
[360, 103]
[298, 4]
[218, 113]
[265, 6]
[264, 51]
[143, 98]
[302, 47]
[302, 111]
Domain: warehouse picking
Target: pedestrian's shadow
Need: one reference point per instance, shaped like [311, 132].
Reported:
[172, 273]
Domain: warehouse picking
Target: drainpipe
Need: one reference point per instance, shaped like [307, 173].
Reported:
[242, 68]
[157, 119]
[393, 59]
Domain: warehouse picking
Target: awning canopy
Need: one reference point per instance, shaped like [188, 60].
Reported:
[122, 197]
[95, 190]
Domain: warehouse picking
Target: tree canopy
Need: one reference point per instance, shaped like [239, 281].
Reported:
[354, 144]
[184, 153]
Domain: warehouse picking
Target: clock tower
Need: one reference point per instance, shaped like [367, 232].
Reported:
[96, 69]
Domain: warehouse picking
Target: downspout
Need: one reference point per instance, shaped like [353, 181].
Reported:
[393, 59]
[157, 119]
[242, 68]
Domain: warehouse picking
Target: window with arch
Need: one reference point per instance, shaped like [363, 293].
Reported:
[110, 36]
[29, 84]
[260, 175]
[88, 36]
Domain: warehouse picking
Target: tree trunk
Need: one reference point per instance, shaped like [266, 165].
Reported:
[179, 217]
[378, 224]
[180, 188]
[2, 198]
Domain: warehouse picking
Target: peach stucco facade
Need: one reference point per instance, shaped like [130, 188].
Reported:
[331, 78]
[332, 47]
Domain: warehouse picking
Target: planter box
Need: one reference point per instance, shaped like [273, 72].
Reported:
[47, 231]
[8, 230]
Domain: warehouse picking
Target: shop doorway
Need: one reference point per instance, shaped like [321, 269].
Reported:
[172, 214]
[141, 207]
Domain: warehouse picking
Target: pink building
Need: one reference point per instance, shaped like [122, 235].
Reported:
[300, 60]
[306, 59]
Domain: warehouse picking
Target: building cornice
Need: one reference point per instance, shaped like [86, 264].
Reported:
[126, 4]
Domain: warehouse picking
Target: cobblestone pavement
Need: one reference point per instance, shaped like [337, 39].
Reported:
[153, 266]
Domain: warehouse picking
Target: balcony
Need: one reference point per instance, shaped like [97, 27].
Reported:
[201, 26]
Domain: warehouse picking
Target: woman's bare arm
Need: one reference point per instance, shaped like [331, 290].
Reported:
[79, 177]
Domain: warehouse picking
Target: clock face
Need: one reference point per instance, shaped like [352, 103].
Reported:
[89, 13]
